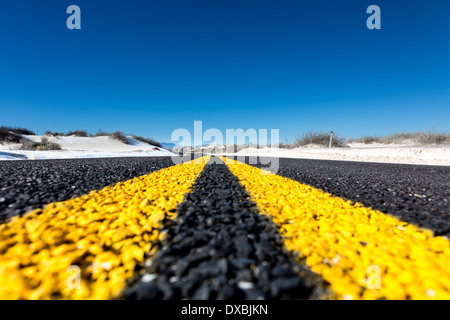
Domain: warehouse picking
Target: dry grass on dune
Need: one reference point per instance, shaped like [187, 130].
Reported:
[421, 138]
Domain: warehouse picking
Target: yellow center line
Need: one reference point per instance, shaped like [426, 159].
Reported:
[86, 248]
[363, 253]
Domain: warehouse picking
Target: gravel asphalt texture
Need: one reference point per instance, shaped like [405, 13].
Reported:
[27, 185]
[415, 194]
[220, 247]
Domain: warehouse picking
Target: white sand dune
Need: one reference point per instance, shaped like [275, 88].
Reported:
[84, 147]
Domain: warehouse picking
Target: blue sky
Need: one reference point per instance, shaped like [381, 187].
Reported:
[150, 67]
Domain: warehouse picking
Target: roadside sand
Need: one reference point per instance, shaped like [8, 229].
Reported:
[388, 153]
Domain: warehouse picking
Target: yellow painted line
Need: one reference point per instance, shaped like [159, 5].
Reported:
[101, 234]
[348, 243]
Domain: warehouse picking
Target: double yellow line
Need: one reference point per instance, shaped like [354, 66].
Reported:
[93, 242]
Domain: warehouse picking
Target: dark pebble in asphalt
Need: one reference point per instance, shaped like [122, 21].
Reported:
[220, 247]
[27, 185]
[415, 194]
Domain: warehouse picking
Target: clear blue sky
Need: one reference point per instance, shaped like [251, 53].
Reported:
[149, 67]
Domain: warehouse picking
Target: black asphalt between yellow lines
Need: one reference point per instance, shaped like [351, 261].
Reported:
[103, 234]
[348, 243]
[220, 247]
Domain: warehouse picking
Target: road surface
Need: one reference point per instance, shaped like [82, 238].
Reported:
[139, 228]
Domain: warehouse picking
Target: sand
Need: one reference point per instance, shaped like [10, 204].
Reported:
[386, 153]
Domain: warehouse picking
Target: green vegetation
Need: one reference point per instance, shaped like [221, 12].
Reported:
[13, 135]
[44, 145]
[320, 138]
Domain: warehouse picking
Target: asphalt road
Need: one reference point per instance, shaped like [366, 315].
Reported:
[414, 194]
[220, 246]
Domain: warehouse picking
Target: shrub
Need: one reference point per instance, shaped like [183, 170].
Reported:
[13, 135]
[22, 131]
[102, 134]
[433, 137]
[49, 146]
[78, 133]
[318, 138]
[45, 144]
[28, 144]
[423, 138]
[285, 146]
[10, 137]
[119, 136]
[148, 140]
[54, 134]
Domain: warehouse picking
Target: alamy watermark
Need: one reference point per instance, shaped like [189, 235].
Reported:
[374, 280]
[374, 21]
[74, 20]
[225, 144]
[74, 279]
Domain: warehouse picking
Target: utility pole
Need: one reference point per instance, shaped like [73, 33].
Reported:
[331, 138]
